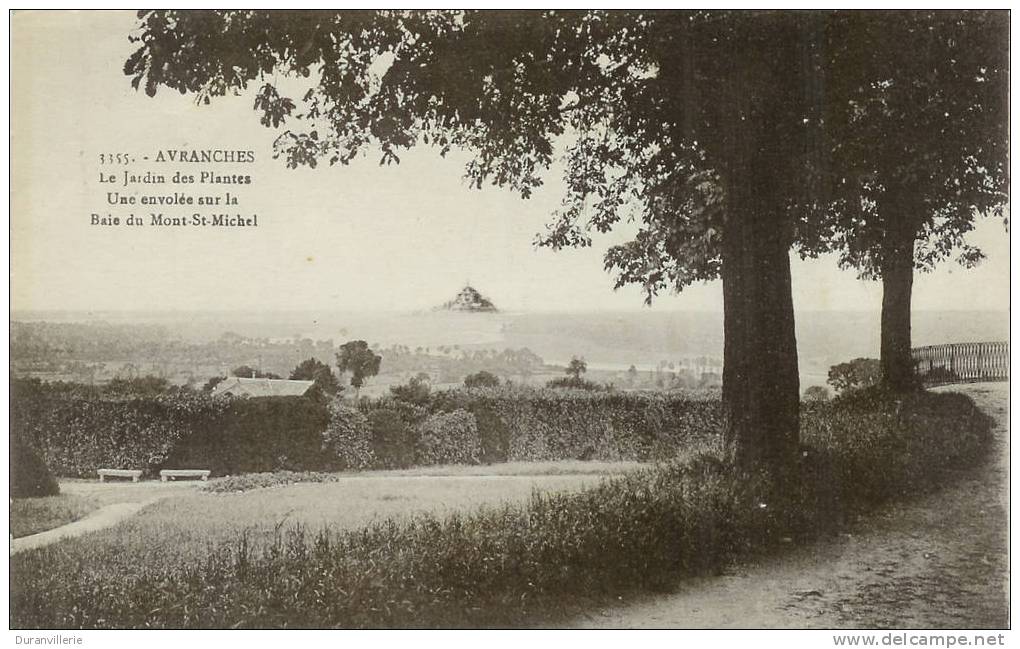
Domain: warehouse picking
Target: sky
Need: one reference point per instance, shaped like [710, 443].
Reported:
[361, 237]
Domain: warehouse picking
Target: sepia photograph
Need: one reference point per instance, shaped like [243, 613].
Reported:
[676, 319]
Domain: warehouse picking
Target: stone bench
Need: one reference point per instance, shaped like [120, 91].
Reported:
[134, 474]
[173, 474]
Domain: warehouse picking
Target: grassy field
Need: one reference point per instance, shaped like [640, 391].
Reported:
[34, 515]
[189, 523]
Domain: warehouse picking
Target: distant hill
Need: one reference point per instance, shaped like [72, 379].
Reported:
[470, 300]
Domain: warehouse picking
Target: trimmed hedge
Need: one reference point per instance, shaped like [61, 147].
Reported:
[528, 424]
[348, 438]
[79, 429]
[449, 438]
[258, 435]
[519, 564]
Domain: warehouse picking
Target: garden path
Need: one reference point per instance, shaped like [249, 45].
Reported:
[101, 518]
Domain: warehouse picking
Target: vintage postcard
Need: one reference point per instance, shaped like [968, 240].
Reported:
[515, 319]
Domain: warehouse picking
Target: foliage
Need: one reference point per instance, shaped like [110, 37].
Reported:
[816, 393]
[247, 372]
[923, 148]
[80, 429]
[313, 369]
[615, 85]
[481, 379]
[858, 374]
[249, 481]
[884, 445]
[573, 383]
[211, 384]
[30, 477]
[393, 444]
[416, 390]
[921, 151]
[937, 375]
[530, 563]
[355, 357]
[576, 368]
[141, 386]
[348, 437]
[573, 379]
[256, 435]
[526, 424]
[449, 438]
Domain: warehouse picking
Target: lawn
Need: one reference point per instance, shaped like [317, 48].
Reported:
[188, 523]
[33, 515]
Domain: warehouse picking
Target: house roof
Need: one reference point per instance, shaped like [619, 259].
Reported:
[262, 387]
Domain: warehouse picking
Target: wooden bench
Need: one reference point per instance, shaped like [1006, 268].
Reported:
[173, 474]
[134, 474]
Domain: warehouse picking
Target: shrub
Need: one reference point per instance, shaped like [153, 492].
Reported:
[858, 374]
[250, 481]
[392, 442]
[816, 393]
[885, 445]
[449, 438]
[527, 424]
[30, 477]
[416, 390]
[574, 383]
[246, 435]
[140, 386]
[493, 432]
[481, 379]
[79, 429]
[937, 375]
[348, 437]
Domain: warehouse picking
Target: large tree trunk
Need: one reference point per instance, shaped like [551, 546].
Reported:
[761, 386]
[764, 80]
[897, 268]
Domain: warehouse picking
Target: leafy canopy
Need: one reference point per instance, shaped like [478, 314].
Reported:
[646, 107]
[641, 104]
[312, 369]
[922, 145]
[356, 357]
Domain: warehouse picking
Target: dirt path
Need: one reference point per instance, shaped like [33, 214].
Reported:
[937, 562]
